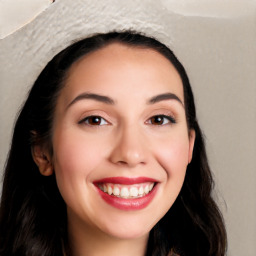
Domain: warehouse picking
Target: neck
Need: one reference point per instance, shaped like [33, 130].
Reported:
[92, 242]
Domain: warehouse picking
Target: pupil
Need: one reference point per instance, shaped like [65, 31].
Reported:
[157, 120]
[95, 120]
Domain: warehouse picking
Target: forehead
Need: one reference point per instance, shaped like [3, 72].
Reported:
[126, 66]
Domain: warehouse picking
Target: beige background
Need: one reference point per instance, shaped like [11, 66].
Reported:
[214, 39]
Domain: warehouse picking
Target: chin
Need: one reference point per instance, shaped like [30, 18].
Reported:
[128, 228]
[129, 234]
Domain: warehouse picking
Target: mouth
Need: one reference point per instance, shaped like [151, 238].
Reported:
[127, 193]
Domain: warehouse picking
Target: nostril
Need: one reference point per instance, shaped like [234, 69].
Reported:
[122, 162]
[129, 163]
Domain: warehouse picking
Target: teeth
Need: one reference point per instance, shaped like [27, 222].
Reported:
[141, 191]
[134, 192]
[110, 190]
[116, 191]
[146, 189]
[127, 191]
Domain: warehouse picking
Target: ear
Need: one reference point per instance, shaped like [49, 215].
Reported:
[192, 137]
[42, 159]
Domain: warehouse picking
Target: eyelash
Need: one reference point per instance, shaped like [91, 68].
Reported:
[162, 119]
[93, 118]
[170, 119]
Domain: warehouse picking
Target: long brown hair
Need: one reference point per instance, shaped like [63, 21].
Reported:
[32, 211]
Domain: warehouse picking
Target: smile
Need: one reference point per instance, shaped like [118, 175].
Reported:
[127, 193]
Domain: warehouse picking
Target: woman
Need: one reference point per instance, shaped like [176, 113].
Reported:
[107, 158]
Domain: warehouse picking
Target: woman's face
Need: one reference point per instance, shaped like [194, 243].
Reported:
[120, 141]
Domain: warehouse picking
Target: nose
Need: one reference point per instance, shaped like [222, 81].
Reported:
[129, 148]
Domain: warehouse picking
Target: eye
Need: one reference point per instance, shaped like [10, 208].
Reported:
[161, 120]
[94, 121]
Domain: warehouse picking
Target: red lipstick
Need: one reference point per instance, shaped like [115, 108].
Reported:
[147, 187]
[125, 180]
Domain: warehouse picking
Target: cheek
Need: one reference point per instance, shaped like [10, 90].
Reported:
[74, 154]
[74, 162]
[172, 155]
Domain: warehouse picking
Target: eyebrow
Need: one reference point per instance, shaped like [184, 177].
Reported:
[164, 96]
[109, 101]
[92, 96]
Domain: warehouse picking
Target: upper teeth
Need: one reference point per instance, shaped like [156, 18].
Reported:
[127, 191]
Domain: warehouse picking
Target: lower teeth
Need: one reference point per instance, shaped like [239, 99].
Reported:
[126, 197]
[129, 196]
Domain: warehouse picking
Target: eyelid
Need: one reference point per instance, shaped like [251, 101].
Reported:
[84, 120]
[170, 114]
[95, 113]
[170, 120]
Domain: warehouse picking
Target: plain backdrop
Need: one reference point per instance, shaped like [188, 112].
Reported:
[214, 39]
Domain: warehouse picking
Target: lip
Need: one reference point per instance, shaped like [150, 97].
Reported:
[125, 180]
[130, 204]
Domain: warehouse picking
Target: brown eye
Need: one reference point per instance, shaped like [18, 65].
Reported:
[94, 120]
[161, 120]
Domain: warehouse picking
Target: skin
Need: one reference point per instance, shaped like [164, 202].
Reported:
[125, 143]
